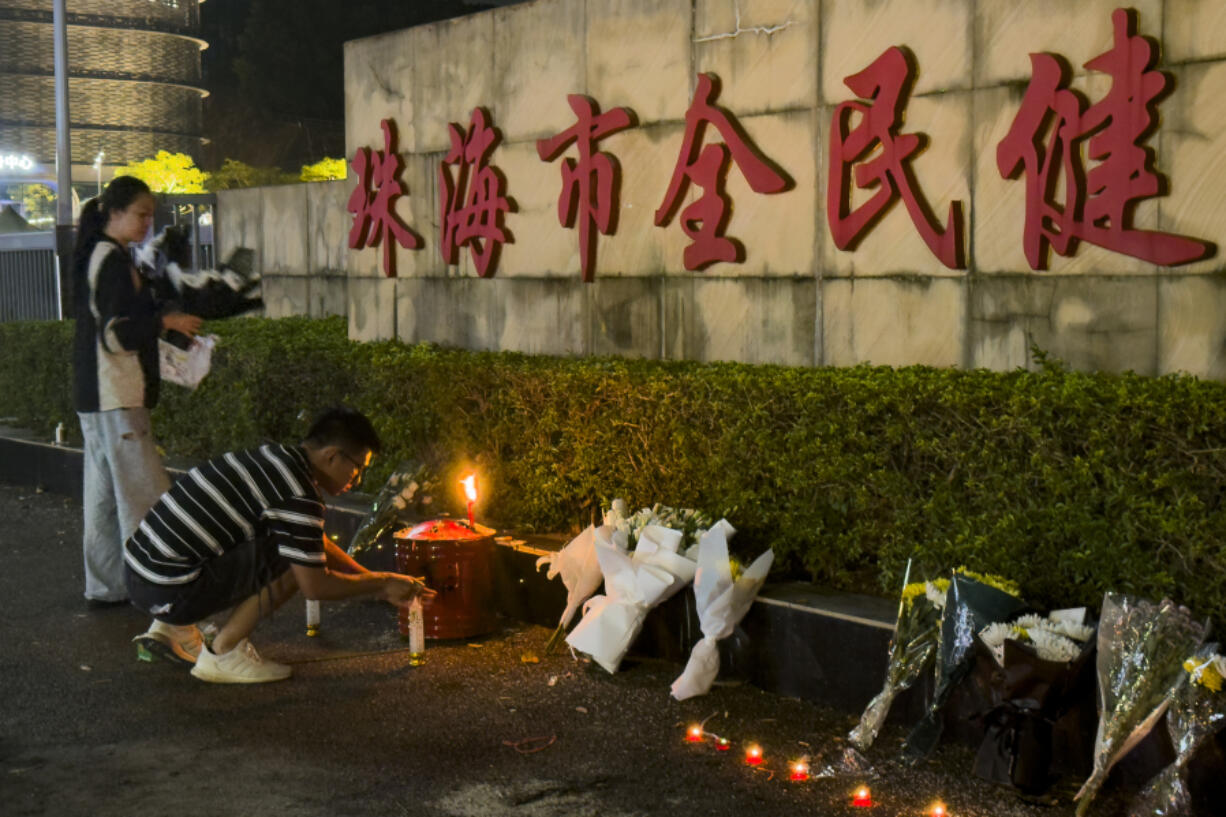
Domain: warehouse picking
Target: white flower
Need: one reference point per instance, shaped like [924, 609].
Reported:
[1033, 622]
[1053, 647]
[935, 595]
[399, 502]
[1077, 632]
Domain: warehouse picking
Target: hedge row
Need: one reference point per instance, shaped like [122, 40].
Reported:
[1070, 483]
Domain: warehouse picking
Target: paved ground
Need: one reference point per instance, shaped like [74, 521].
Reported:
[87, 730]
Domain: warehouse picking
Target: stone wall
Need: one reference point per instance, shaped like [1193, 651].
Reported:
[797, 299]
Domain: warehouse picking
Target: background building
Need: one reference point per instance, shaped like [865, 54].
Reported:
[134, 86]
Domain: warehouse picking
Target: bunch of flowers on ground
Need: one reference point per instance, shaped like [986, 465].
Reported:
[1141, 650]
[1197, 712]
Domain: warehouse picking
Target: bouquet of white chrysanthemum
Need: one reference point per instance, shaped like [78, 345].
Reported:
[633, 585]
[689, 522]
[1058, 636]
[1197, 713]
[912, 649]
[722, 598]
[405, 497]
[1035, 698]
[1141, 649]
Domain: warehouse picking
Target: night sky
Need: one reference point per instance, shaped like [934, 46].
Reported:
[274, 70]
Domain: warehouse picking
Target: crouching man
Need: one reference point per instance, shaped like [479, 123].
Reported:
[246, 531]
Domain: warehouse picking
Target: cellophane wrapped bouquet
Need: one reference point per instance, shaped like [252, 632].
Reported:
[1141, 650]
[1197, 713]
[912, 649]
[407, 496]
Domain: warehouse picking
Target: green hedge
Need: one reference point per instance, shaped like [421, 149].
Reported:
[1070, 483]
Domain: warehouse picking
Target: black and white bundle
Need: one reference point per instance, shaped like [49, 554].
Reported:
[211, 294]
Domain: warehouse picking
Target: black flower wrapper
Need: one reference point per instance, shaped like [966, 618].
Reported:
[1141, 649]
[1037, 712]
[969, 607]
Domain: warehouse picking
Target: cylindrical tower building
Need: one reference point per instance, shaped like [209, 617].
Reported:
[134, 84]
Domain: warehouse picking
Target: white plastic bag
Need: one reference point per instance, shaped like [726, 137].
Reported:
[186, 367]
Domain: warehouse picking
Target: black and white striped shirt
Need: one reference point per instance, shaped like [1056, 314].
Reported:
[263, 494]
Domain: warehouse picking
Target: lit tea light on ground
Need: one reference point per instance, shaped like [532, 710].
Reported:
[694, 734]
[800, 771]
[722, 744]
[938, 810]
[863, 797]
[753, 754]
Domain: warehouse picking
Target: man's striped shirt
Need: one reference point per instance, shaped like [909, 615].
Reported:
[265, 495]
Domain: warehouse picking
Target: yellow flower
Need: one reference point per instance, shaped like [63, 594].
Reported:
[999, 582]
[1206, 674]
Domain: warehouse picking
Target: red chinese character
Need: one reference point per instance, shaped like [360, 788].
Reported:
[1097, 204]
[473, 204]
[599, 168]
[705, 220]
[887, 82]
[377, 207]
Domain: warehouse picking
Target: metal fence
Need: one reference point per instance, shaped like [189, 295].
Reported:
[29, 277]
[29, 268]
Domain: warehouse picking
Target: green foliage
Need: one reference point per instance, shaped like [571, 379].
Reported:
[167, 173]
[235, 174]
[1069, 483]
[324, 170]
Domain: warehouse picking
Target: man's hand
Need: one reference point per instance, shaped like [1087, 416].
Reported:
[399, 589]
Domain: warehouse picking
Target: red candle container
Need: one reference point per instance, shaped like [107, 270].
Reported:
[457, 563]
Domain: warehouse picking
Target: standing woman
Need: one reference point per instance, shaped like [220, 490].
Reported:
[115, 382]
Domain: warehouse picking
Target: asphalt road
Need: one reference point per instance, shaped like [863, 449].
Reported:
[86, 729]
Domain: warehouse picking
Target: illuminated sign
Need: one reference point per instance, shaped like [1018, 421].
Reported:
[16, 161]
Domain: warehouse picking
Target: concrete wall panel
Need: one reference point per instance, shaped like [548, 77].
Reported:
[639, 54]
[893, 321]
[766, 52]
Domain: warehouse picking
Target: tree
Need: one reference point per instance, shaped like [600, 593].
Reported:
[324, 170]
[167, 173]
[234, 174]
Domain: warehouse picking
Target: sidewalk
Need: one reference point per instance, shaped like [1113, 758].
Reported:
[85, 729]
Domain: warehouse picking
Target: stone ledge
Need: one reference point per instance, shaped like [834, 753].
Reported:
[796, 640]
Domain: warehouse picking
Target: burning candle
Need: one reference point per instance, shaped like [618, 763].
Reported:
[800, 771]
[470, 491]
[722, 745]
[938, 810]
[753, 754]
[863, 797]
[694, 734]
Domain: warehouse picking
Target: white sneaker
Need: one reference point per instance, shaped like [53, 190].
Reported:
[180, 644]
[241, 665]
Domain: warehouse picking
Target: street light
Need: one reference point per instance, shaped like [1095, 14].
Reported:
[98, 167]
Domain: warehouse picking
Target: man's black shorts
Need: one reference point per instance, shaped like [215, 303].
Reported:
[237, 574]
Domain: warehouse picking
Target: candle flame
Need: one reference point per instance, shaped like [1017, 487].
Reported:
[695, 732]
[938, 810]
[470, 487]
